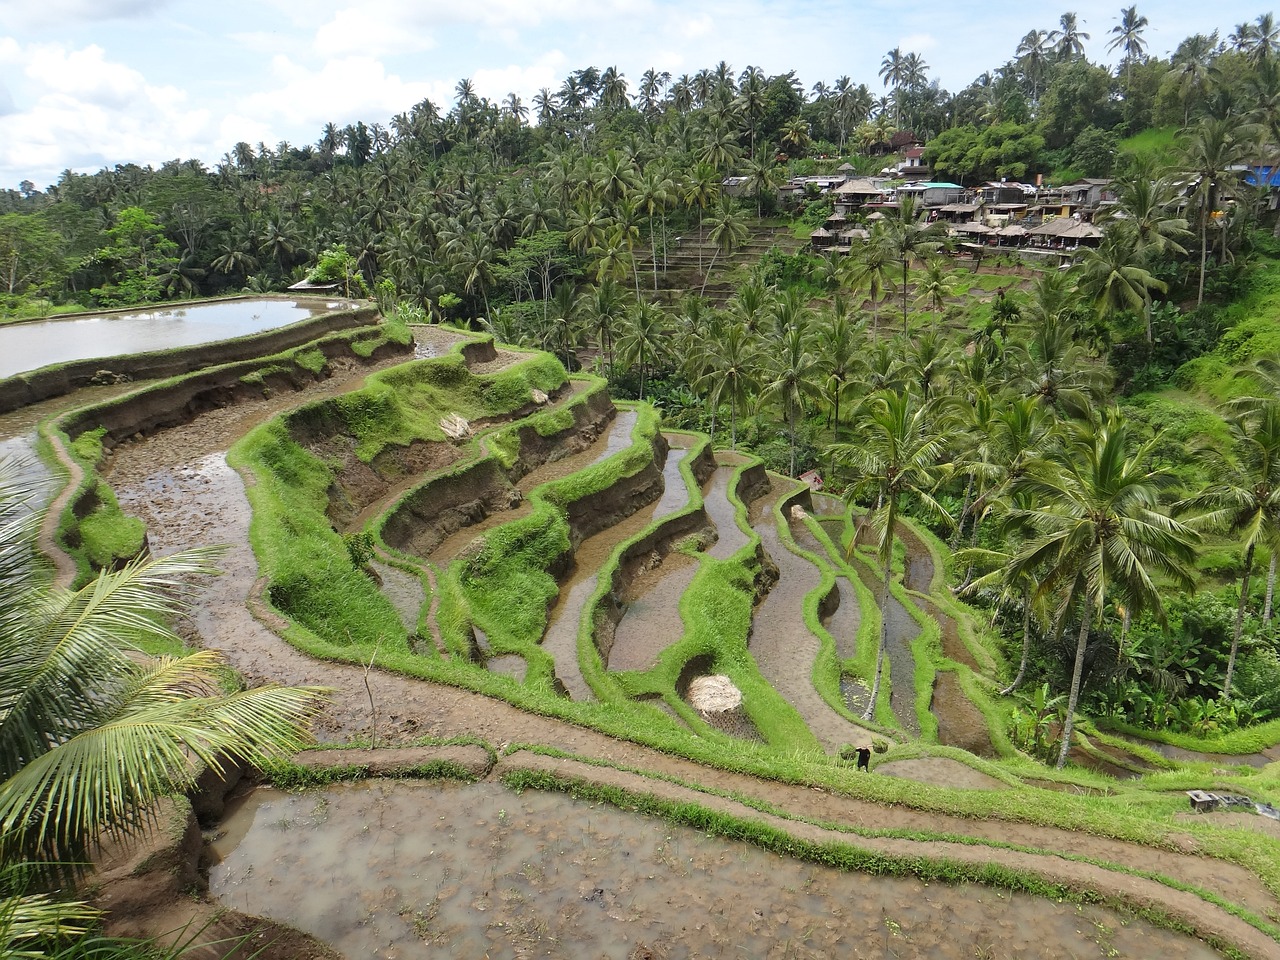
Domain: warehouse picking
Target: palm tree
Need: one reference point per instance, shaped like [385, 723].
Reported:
[92, 733]
[1032, 54]
[897, 451]
[602, 309]
[700, 189]
[905, 239]
[764, 175]
[791, 373]
[1115, 277]
[1245, 500]
[870, 267]
[1069, 40]
[892, 70]
[935, 286]
[732, 371]
[1144, 208]
[643, 339]
[728, 232]
[1127, 36]
[1099, 533]
[1209, 151]
[837, 357]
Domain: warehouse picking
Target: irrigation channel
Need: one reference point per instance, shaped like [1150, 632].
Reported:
[477, 868]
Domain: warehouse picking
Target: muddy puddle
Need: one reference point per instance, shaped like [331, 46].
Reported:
[900, 631]
[614, 440]
[651, 621]
[407, 869]
[405, 592]
[782, 645]
[842, 622]
[723, 513]
[561, 638]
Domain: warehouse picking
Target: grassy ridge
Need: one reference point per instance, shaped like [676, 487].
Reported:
[313, 578]
[93, 530]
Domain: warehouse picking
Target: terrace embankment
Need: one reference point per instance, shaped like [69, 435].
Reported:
[448, 509]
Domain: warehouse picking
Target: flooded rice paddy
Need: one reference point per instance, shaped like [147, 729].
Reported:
[30, 346]
[400, 869]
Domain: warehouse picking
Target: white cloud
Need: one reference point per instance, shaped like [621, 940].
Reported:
[547, 71]
[342, 90]
[24, 13]
[375, 29]
[80, 110]
[917, 43]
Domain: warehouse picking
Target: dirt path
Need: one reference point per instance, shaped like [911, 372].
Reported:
[180, 483]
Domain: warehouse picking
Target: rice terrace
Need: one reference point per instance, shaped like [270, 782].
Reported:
[720, 521]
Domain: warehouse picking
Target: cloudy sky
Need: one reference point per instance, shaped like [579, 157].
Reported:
[92, 83]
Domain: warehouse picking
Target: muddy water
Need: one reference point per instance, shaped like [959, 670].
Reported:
[960, 723]
[405, 592]
[825, 505]
[614, 440]
[405, 869]
[722, 512]
[900, 631]
[29, 346]
[561, 638]
[843, 622]
[783, 647]
[651, 621]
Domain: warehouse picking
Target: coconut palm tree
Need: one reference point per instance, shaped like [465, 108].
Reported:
[905, 238]
[1099, 532]
[897, 452]
[1144, 208]
[92, 732]
[728, 232]
[871, 267]
[936, 284]
[1127, 37]
[1033, 54]
[1114, 276]
[643, 338]
[791, 374]
[732, 371]
[1209, 150]
[1244, 501]
[1068, 40]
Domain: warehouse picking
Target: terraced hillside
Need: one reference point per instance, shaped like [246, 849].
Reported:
[473, 546]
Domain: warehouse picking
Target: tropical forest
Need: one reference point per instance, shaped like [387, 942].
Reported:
[724, 514]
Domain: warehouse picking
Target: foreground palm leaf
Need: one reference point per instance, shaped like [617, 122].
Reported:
[91, 731]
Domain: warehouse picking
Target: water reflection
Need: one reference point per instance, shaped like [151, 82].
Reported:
[30, 346]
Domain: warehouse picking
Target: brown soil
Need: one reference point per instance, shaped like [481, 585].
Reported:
[164, 475]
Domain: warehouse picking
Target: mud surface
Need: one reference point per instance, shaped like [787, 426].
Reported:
[561, 638]
[900, 630]
[405, 869]
[783, 646]
[722, 512]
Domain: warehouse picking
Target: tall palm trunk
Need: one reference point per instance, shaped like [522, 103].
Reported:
[1271, 589]
[964, 513]
[1077, 671]
[884, 635]
[1239, 627]
[1026, 643]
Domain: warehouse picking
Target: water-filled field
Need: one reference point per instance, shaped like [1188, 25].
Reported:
[30, 346]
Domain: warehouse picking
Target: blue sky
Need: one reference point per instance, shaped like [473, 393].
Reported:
[92, 83]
